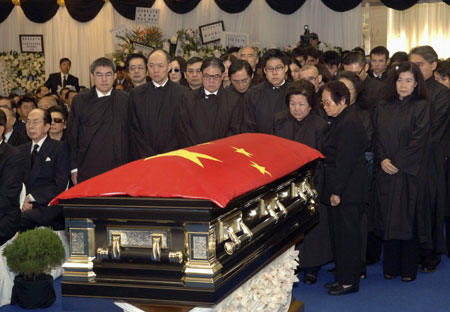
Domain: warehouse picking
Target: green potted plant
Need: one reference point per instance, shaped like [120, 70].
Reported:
[31, 255]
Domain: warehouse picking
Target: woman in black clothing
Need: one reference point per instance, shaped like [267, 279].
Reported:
[345, 186]
[302, 125]
[401, 138]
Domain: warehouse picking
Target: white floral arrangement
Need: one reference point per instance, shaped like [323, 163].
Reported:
[189, 44]
[25, 71]
[269, 291]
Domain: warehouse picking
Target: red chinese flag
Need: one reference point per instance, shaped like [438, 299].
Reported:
[218, 171]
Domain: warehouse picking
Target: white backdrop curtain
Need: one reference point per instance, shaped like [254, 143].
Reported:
[422, 24]
[84, 42]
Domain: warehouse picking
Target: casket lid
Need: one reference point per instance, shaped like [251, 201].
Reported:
[218, 171]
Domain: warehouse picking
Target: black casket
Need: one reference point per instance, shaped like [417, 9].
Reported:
[189, 226]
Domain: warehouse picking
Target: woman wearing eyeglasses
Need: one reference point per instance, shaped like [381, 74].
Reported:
[178, 67]
[59, 123]
[345, 189]
[402, 127]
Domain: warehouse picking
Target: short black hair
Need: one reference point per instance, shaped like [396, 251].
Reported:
[303, 87]
[2, 119]
[353, 78]
[274, 53]
[298, 51]
[193, 60]
[233, 50]
[59, 109]
[380, 50]
[427, 52]
[214, 62]
[102, 62]
[312, 52]
[359, 50]
[135, 56]
[354, 58]
[181, 61]
[398, 57]
[338, 90]
[228, 57]
[420, 91]
[64, 59]
[332, 58]
[27, 99]
[443, 68]
[237, 65]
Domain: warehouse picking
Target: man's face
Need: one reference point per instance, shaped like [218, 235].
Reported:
[241, 80]
[357, 69]
[378, 62]
[119, 74]
[25, 109]
[44, 91]
[103, 78]
[36, 129]
[425, 67]
[212, 78]
[332, 69]
[10, 119]
[249, 54]
[45, 103]
[311, 76]
[193, 75]
[137, 71]
[158, 67]
[5, 102]
[65, 67]
[442, 79]
[275, 71]
[58, 123]
[312, 61]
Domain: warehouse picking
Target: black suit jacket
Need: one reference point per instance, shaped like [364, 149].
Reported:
[51, 172]
[54, 80]
[17, 138]
[12, 170]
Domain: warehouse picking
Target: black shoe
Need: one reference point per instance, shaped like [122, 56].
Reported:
[389, 276]
[332, 270]
[429, 269]
[408, 279]
[331, 285]
[340, 290]
[309, 279]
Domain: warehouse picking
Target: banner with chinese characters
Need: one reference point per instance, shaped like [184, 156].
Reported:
[147, 16]
[211, 32]
[232, 39]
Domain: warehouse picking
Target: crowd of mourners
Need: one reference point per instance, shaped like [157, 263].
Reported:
[381, 121]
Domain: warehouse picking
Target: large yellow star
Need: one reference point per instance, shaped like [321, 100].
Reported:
[242, 151]
[192, 156]
[260, 168]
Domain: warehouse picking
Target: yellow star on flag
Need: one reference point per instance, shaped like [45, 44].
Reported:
[242, 151]
[260, 168]
[192, 156]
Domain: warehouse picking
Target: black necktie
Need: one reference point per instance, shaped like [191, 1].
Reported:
[212, 95]
[34, 154]
[64, 81]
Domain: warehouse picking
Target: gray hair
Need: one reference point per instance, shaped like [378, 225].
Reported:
[102, 62]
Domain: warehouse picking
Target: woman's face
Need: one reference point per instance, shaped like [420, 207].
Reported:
[295, 71]
[331, 108]
[58, 123]
[405, 84]
[350, 86]
[175, 72]
[227, 64]
[299, 106]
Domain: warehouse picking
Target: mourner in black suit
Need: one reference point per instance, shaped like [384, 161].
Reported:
[98, 125]
[154, 109]
[63, 79]
[437, 198]
[345, 188]
[302, 125]
[241, 76]
[12, 170]
[211, 112]
[11, 135]
[263, 101]
[379, 57]
[402, 148]
[47, 173]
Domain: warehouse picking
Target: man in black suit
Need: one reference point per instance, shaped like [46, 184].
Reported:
[57, 81]
[12, 170]
[47, 174]
[12, 136]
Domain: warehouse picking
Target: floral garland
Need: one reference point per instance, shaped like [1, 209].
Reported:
[149, 36]
[270, 290]
[189, 44]
[25, 71]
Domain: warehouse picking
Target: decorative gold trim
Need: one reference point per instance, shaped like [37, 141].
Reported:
[16, 2]
[61, 3]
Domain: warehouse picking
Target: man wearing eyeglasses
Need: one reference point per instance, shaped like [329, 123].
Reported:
[263, 101]
[136, 67]
[211, 112]
[373, 88]
[98, 125]
[154, 110]
[47, 173]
